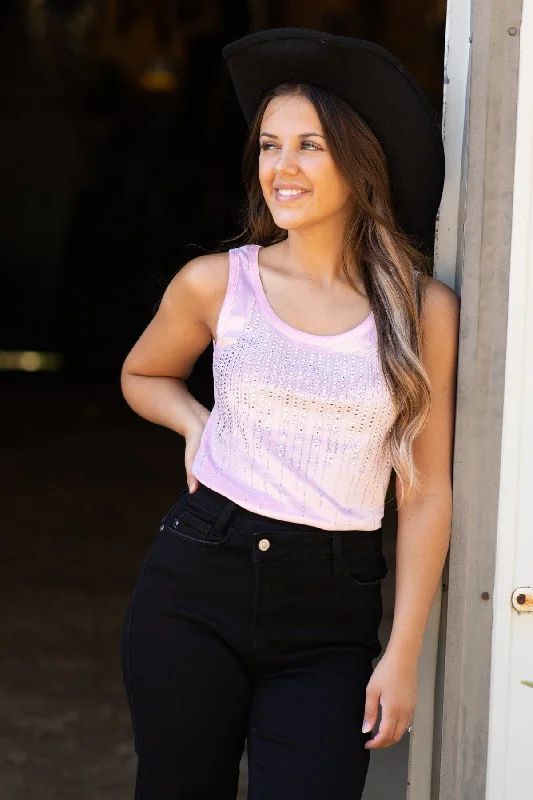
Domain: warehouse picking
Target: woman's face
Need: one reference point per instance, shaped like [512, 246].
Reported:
[294, 155]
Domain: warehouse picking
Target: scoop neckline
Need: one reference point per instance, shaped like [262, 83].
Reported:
[296, 333]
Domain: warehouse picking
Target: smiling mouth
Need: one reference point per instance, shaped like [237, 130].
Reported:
[291, 195]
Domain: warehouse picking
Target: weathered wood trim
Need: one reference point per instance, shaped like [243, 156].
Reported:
[424, 750]
[483, 260]
[509, 762]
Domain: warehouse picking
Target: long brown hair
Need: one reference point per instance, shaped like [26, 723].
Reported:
[393, 270]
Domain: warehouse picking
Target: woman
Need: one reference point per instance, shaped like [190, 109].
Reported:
[256, 614]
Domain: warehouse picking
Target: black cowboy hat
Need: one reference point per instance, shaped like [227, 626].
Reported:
[377, 86]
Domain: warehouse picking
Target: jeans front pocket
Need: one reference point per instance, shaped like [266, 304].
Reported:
[368, 568]
[194, 525]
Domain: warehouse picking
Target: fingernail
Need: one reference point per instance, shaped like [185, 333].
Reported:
[366, 727]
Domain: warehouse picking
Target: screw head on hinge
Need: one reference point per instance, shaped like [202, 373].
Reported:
[522, 599]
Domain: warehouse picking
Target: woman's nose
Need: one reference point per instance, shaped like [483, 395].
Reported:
[286, 162]
[286, 165]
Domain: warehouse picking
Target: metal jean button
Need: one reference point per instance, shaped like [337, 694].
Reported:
[264, 544]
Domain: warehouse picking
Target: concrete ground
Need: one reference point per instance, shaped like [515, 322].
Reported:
[83, 482]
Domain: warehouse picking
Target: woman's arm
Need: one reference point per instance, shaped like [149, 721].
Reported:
[424, 523]
[424, 520]
[154, 373]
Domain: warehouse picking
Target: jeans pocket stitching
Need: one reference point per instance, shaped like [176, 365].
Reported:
[375, 582]
[365, 583]
[186, 517]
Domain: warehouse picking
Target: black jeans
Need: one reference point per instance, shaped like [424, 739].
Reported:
[243, 627]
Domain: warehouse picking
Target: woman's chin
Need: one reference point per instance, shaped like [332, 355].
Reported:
[284, 222]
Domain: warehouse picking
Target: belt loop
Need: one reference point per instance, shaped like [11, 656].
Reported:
[223, 517]
[337, 553]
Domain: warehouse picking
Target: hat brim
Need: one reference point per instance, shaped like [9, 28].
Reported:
[377, 85]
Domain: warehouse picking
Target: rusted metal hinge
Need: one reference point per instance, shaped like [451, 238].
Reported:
[522, 598]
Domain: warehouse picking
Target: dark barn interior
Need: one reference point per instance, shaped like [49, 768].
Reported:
[120, 146]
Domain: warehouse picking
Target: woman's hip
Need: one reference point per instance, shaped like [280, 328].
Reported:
[281, 581]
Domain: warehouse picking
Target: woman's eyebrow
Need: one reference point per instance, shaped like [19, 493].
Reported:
[300, 135]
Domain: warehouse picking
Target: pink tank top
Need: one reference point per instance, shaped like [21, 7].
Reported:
[299, 429]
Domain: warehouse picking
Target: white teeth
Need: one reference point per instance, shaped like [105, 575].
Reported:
[290, 191]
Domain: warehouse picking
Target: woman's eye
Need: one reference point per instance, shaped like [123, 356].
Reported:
[265, 145]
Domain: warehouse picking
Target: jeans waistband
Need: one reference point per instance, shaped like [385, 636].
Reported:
[295, 538]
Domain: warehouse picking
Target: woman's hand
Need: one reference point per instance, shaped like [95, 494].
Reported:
[394, 685]
[192, 444]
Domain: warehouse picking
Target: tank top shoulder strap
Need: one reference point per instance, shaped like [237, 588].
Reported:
[239, 292]
[245, 254]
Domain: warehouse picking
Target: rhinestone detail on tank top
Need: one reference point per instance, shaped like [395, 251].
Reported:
[299, 430]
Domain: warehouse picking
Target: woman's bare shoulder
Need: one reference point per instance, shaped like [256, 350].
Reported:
[440, 316]
[207, 273]
[203, 278]
[200, 284]
[439, 300]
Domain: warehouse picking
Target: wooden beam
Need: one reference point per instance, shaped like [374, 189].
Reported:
[483, 260]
